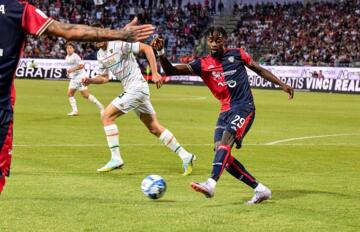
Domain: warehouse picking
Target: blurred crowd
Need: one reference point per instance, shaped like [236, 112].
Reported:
[325, 33]
[181, 25]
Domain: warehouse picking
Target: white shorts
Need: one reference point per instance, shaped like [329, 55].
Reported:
[76, 84]
[138, 101]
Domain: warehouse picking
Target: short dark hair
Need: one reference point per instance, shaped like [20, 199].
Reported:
[69, 43]
[212, 30]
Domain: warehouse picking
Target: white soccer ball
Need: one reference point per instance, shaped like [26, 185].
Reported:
[153, 186]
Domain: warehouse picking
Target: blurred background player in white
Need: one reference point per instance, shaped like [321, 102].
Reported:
[76, 72]
[117, 57]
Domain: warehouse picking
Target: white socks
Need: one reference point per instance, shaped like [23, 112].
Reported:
[260, 188]
[170, 141]
[112, 136]
[72, 101]
[211, 182]
[93, 99]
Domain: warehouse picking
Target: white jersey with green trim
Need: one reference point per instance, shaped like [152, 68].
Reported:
[119, 59]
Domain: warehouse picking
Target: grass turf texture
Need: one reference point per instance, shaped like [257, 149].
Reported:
[54, 185]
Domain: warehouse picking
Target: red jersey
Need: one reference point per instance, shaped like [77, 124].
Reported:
[226, 77]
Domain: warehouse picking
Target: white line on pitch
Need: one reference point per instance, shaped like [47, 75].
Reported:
[309, 137]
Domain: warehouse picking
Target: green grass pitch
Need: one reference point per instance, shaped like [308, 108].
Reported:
[54, 185]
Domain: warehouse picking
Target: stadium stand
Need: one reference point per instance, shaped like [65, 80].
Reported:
[323, 33]
[182, 26]
[317, 33]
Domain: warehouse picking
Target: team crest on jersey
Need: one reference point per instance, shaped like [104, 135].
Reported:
[231, 59]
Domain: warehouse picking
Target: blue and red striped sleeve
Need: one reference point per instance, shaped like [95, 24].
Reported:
[195, 67]
[245, 56]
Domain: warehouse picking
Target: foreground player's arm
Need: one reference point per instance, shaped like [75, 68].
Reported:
[35, 22]
[149, 53]
[99, 79]
[170, 70]
[76, 32]
[266, 74]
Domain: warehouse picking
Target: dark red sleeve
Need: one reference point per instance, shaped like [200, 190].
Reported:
[245, 56]
[34, 21]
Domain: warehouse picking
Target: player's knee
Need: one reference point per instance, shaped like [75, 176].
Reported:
[155, 131]
[85, 95]
[106, 119]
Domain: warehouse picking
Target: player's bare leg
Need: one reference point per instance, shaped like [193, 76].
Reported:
[72, 100]
[87, 95]
[169, 140]
[108, 118]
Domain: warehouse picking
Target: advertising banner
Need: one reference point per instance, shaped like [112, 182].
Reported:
[324, 79]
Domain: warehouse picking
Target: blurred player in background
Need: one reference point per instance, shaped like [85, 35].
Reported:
[18, 19]
[223, 71]
[118, 58]
[76, 73]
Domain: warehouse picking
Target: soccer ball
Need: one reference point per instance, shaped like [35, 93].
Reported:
[153, 186]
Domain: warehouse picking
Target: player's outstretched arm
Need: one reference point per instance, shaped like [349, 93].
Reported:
[170, 70]
[99, 79]
[149, 53]
[266, 74]
[76, 68]
[77, 32]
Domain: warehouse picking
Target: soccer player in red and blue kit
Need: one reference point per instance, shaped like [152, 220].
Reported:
[19, 18]
[223, 71]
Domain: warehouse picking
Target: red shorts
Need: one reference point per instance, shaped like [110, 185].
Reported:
[6, 140]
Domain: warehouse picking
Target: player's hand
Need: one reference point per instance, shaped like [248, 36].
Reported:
[138, 32]
[289, 90]
[86, 81]
[157, 43]
[157, 79]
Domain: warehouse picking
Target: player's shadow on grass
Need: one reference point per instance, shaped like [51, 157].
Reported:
[289, 194]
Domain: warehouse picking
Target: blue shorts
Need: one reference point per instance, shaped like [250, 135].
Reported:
[237, 121]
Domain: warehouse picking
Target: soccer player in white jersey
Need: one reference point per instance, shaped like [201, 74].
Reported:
[76, 72]
[118, 58]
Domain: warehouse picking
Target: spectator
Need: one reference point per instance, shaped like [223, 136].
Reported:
[185, 24]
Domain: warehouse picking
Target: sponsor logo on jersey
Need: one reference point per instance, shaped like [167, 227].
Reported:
[231, 59]
[230, 83]
[2, 9]
[227, 73]
[1, 52]
[216, 75]
[109, 61]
